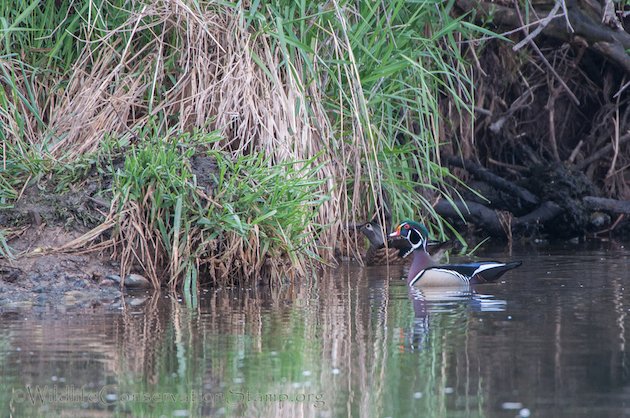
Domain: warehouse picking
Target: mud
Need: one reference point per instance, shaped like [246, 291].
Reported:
[51, 213]
[37, 274]
[561, 204]
[566, 187]
[59, 281]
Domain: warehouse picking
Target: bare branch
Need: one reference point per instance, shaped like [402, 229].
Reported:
[543, 23]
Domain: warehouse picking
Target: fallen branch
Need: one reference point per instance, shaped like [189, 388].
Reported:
[546, 212]
[609, 205]
[610, 42]
[498, 182]
[472, 212]
[609, 17]
[543, 23]
[489, 221]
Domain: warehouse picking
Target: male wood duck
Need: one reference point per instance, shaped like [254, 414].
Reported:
[396, 250]
[424, 271]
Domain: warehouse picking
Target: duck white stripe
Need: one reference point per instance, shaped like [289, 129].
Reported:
[415, 279]
[487, 266]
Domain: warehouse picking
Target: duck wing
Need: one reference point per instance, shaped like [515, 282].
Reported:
[482, 272]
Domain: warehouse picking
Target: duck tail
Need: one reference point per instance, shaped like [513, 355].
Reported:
[495, 273]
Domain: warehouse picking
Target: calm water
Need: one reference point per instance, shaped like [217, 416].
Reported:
[550, 341]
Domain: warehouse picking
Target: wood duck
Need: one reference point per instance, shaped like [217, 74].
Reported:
[396, 250]
[424, 271]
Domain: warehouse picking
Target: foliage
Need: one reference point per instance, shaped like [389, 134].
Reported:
[354, 89]
[248, 217]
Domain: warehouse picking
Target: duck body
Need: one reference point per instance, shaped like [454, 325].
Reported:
[424, 271]
[458, 274]
[378, 256]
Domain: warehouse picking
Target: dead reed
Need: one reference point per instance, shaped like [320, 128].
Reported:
[329, 111]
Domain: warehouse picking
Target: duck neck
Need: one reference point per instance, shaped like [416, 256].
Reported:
[421, 261]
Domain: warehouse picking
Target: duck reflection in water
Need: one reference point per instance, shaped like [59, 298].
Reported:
[449, 307]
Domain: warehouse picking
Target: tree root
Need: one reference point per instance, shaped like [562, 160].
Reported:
[543, 210]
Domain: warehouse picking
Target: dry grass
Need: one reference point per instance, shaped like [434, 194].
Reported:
[294, 86]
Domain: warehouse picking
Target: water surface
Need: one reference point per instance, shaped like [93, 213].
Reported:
[549, 341]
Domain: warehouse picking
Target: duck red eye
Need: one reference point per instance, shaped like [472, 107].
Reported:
[407, 226]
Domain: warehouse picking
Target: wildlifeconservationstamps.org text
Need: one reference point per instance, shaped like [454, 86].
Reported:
[109, 395]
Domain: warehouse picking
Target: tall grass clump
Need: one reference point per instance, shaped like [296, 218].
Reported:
[355, 89]
[176, 218]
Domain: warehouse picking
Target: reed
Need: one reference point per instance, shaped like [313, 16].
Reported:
[347, 95]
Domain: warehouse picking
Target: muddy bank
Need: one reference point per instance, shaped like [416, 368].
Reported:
[61, 282]
[49, 232]
[51, 262]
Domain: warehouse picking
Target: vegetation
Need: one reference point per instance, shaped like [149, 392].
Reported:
[552, 120]
[305, 111]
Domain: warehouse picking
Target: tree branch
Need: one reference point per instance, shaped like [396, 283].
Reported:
[610, 42]
[496, 181]
[488, 220]
[609, 205]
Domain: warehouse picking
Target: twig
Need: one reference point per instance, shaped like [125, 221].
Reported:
[566, 16]
[575, 151]
[609, 17]
[547, 64]
[551, 100]
[544, 22]
[555, 73]
[615, 143]
[477, 63]
[483, 111]
[602, 152]
[621, 90]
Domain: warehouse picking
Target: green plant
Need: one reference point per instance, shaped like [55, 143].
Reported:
[251, 216]
[345, 99]
[380, 74]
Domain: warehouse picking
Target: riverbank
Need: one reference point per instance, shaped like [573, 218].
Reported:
[234, 145]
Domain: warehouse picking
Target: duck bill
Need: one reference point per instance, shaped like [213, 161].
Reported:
[396, 233]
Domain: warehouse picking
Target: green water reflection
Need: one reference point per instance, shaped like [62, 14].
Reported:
[352, 342]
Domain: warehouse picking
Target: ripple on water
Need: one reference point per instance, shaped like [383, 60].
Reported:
[548, 341]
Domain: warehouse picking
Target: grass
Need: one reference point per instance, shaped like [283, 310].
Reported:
[317, 116]
[246, 209]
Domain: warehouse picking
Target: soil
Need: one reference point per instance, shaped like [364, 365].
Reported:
[565, 187]
[57, 280]
[39, 274]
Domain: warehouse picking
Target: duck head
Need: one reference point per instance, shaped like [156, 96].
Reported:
[414, 233]
[372, 230]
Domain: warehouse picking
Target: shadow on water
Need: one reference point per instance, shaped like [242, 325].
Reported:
[550, 340]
